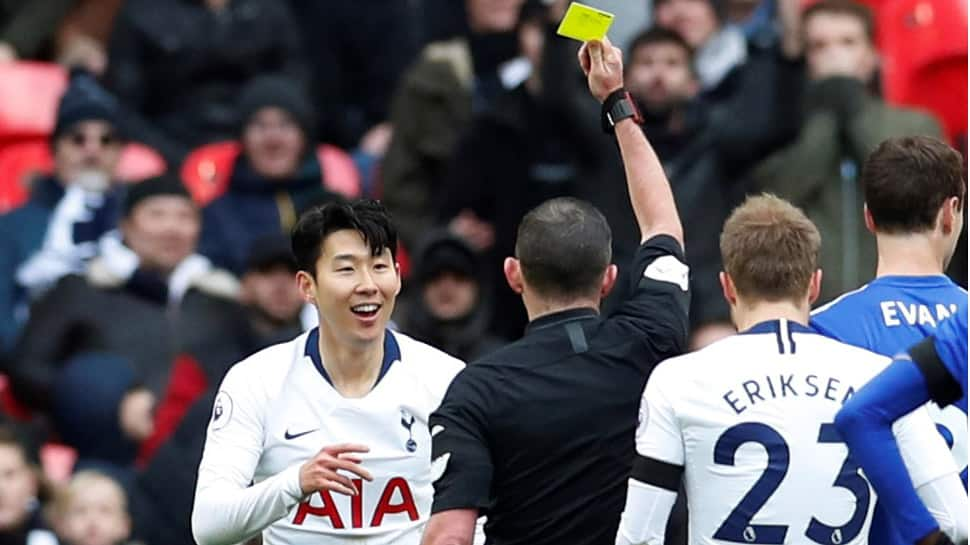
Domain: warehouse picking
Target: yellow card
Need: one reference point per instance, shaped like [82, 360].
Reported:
[584, 23]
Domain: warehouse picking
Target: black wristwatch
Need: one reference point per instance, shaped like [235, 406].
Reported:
[617, 107]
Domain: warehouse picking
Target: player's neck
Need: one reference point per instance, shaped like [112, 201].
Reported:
[353, 369]
[537, 307]
[908, 255]
[748, 315]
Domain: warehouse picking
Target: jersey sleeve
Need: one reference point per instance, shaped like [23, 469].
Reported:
[656, 309]
[461, 461]
[942, 358]
[227, 509]
[891, 404]
[659, 444]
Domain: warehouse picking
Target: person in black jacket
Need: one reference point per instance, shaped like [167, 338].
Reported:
[660, 75]
[180, 64]
[448, 301]
[273, 180]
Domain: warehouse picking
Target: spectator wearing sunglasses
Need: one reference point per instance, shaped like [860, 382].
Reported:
[68, 210]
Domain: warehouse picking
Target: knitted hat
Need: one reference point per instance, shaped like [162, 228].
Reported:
[269, 250]
[152, 187]
[85, 100]
[281, 92]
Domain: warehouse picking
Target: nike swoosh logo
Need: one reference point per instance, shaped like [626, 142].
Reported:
[287, 435]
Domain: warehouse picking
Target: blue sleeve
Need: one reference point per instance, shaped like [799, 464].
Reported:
[865, 423]
[951, 345]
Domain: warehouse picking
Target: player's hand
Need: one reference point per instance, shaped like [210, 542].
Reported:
[603, 65]
[320, 472]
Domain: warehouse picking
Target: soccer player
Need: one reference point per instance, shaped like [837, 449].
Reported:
[914, 198]
[914, 191]
[540, 433]
[934, 369]
[748, 421]
[325, 438]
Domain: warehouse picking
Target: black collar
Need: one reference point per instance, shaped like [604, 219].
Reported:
[561, 317]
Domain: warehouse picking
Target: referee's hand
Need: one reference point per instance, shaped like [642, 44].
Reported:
[320, 472]
[603, 65]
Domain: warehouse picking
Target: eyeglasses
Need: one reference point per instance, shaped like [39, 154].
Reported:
[79, 138]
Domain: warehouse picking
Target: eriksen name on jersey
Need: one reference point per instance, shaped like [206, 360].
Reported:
[784, 386]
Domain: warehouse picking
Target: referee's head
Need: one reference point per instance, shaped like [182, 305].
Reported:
[562, 256]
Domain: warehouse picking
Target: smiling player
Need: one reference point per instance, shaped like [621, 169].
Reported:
[326, 437]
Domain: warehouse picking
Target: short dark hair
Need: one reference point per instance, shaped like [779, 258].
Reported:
[770, 249]
[906, 181]
[564, 246]
[844, 7]
[366, 216]
[660, 35]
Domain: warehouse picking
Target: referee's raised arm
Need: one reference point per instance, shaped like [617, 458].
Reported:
[650, 194]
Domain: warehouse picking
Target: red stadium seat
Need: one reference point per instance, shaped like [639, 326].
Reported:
[206, 170]
[29, 94]
[924, 46]
[23, 161]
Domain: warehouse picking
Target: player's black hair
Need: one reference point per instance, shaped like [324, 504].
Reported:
[366, 216]
[906, 181]
[564, 247]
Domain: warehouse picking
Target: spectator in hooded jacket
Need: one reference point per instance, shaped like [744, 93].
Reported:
[448, 301]
[180, 65]
[843, 122]
[276, 177]
[86, 145]
[98, 347]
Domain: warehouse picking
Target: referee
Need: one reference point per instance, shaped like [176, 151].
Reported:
[539, 435]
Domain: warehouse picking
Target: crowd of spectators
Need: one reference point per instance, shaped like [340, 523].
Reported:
[123, 304]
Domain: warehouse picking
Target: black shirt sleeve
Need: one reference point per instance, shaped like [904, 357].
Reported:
[656, 309]
[943, 388]
[461, 462]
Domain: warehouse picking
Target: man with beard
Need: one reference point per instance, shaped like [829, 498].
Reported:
[662, 78]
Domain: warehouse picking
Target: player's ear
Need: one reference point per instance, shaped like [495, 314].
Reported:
[947, 218]
[513, 274]
[870, 224]
[307, 286]
[814, 286]
[727, 288]
[609, 280]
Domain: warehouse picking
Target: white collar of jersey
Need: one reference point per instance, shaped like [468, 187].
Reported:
[783, 330]
[392, 353]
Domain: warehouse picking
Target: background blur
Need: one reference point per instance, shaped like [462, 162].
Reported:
[154, 155]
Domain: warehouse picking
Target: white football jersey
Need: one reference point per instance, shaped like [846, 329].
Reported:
[750, 418]
[276, 409]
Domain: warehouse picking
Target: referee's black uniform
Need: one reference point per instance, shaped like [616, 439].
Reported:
[540, 435]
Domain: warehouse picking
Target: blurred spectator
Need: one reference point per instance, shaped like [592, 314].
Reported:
[843, 122]
[512, 158]
[357, 52]
[276, 177]
[98, 348]
[21, 517]
[82, 39]
[751, 85]
[448, 304]
[180, 63]
[434, 103]
[28, 26]
[92, 509]
[215, 332]
[86, 145]
[660, 76]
